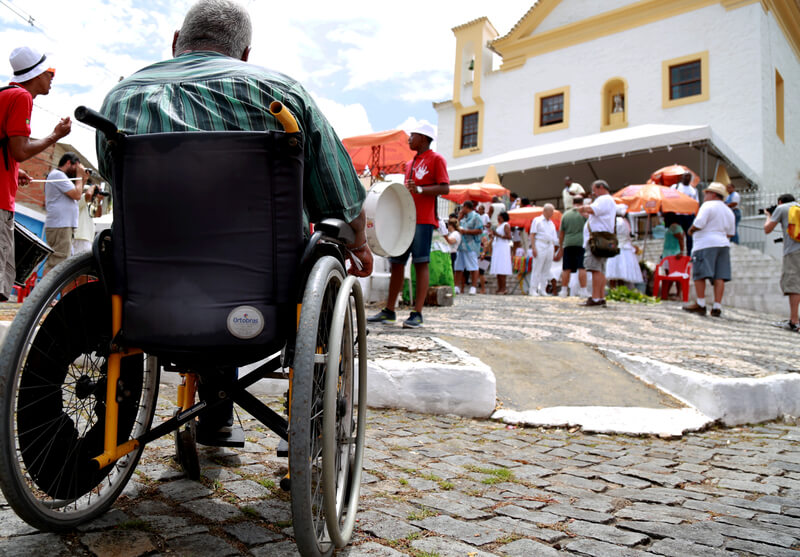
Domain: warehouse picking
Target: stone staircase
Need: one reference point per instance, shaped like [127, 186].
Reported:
[755, 284]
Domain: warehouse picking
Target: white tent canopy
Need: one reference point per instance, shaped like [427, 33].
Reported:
[632, 149]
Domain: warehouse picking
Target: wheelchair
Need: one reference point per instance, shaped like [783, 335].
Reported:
[181, 285]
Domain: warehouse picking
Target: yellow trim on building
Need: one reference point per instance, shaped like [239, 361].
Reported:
[522, 43]
[462, 111]
[705, 84]
[779, 114]
[537, 108]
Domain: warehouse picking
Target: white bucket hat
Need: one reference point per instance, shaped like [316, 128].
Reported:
[27, 63]
[426, 129]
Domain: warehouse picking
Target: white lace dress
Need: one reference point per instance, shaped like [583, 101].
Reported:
[624, 266]
[501, 253]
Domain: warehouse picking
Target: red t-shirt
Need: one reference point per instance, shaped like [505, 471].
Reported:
[427, 169]
[16, 105]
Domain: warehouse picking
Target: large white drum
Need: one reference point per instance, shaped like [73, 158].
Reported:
[391, 219]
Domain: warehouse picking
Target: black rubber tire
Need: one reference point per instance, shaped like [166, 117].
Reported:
[52, 401]
[305, 423]
[344, 419]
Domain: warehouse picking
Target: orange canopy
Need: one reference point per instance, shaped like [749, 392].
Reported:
[652, 198]
[479, 191]
[523, 216]
[672, 175]
[383, 152]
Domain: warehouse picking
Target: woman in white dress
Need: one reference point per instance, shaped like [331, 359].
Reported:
[623, 267]
[501, 252]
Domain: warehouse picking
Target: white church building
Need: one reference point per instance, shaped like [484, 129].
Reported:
[616, 89]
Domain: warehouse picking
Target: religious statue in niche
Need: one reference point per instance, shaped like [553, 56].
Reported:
[619, 103]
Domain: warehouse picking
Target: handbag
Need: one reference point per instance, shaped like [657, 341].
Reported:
[604, 244]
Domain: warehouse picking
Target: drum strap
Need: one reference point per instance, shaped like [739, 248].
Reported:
[4, 140]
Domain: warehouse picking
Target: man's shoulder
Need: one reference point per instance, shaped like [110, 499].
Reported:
[56, 174]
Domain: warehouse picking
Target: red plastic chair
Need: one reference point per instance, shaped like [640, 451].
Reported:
[675, 264]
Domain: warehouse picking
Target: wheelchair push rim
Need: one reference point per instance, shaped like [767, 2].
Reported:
[54, 361]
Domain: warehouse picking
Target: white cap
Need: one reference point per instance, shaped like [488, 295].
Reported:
[426, 129]
[27, 63]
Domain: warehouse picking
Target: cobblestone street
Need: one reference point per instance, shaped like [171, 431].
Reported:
[441, 485]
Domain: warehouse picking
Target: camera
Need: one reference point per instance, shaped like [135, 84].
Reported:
[770, 210]
[98, 191]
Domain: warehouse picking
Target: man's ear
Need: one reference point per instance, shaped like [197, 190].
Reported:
[246, 54]
[174, 42]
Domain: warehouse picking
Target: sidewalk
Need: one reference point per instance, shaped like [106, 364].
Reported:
[558, 363]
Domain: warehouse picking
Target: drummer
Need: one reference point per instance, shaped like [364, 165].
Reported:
[33, 76]
[426, 178]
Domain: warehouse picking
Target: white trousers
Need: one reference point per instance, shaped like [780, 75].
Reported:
[540, 274]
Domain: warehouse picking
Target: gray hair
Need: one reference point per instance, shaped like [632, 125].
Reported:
[219, 25]
[602, 184]
[549, 206]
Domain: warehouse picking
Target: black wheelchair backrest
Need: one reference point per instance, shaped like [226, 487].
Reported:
[207, 240]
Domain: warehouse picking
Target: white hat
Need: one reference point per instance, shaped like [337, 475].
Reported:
[426, 129]
[27, 63]
[719, 189]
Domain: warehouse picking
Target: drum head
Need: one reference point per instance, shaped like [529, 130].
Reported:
[391, 219]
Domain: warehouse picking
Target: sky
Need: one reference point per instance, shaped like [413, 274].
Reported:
[370, 66]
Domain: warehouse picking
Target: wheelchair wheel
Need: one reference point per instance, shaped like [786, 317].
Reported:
[306, 411]
[343, 422]
[53, 366]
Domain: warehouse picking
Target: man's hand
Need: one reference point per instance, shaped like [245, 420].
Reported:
[535, 253]
[559, 253]
[360, 261]
[23, 178]
[63, 128]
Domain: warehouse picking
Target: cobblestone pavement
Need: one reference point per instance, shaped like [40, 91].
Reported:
[739, 344]
[446, 486]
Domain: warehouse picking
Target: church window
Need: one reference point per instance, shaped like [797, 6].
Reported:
[469, 130]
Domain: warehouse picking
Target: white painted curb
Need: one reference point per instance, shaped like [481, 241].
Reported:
[468, 390]
[670, 422]
[730, 400]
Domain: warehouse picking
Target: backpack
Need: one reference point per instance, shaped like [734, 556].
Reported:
[793, 228]
[4, 140]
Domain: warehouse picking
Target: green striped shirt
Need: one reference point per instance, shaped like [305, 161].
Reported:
[208, 91]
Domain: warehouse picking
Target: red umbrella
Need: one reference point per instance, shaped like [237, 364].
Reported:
[672, 175]
[478, 191]
[652, 198]
[523, 216]
[383, 152]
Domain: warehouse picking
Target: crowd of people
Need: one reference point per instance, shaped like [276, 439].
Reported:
[482, 241]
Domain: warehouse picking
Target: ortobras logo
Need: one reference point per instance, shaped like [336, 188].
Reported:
[245, 322]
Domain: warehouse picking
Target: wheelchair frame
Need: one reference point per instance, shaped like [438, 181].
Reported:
[322, 382]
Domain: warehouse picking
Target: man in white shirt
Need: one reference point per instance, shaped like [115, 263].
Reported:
[712, 229]
[570, 192]
[544, 240]
[685, 219]
[62, 190]
[601, 216]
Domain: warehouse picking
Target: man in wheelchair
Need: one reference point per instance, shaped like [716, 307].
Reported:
[209, 86]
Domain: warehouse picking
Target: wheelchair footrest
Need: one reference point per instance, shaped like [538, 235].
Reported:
[231, 436]
[283, 448]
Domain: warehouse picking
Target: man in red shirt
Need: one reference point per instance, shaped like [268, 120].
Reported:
[426, 179]
[32, 77]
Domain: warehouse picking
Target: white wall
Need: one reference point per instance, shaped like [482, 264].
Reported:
[781, 159]
[735, 40]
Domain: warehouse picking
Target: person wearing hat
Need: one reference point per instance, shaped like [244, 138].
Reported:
[712, 229]
[63, 189]
[426, 179]
[33, 76]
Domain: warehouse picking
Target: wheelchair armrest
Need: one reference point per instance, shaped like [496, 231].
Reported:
[336, 229]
